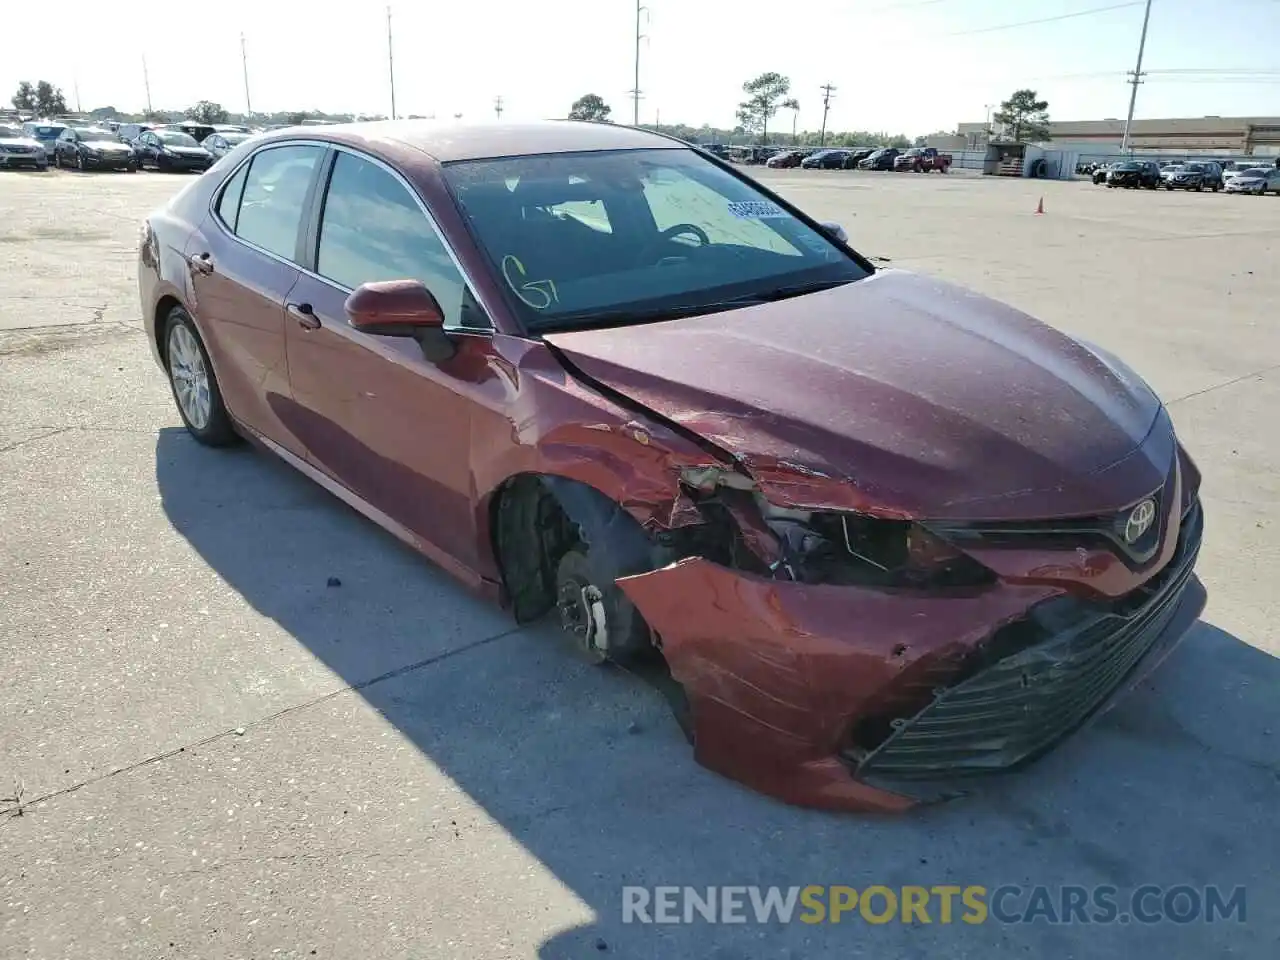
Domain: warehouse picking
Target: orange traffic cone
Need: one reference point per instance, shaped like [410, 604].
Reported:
[1040, 207]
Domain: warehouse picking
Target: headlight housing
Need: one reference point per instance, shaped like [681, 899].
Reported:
[855, 550]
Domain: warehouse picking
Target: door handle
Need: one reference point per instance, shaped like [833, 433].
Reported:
[305, 316]
[201, 263]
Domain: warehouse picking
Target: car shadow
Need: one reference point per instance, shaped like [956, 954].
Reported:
[588, 771]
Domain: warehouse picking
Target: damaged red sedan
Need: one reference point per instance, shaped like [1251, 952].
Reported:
[885, 533]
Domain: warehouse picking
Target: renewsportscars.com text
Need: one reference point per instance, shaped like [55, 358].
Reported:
[973, 904]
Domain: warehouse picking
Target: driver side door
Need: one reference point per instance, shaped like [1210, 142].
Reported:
[375, 415]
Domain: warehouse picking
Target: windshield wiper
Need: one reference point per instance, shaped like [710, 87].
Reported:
[624, 315]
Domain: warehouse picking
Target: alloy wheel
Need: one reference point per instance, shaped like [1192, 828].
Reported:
[190, 377]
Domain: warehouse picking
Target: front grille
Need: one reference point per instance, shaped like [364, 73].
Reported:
[1021, 705]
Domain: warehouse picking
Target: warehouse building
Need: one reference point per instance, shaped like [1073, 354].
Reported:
[1217, 136]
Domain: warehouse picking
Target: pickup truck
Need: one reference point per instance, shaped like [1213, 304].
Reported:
[922, 160]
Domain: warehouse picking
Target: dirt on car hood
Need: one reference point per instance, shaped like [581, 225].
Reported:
[897, 395]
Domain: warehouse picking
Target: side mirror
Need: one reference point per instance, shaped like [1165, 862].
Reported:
[835, 231]
[393, 308]
[401, 308]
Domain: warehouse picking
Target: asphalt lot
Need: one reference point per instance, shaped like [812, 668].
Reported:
[222, 756]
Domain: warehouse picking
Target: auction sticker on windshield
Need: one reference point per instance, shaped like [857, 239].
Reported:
[756, 210]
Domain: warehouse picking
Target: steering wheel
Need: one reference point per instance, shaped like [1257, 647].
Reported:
[654, 246]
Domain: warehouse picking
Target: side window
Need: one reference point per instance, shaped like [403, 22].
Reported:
[273, 196]
[229, 202]
[373, 229]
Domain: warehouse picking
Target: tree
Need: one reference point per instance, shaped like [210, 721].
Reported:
[42, 99]
[49, 99]
[1024, 117]
[295, 119]
[766, 95]
[24, 101]
[590, 106]
[793, 105]
[206, 111]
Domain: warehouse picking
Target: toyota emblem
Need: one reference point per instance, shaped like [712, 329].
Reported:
[1140, 519]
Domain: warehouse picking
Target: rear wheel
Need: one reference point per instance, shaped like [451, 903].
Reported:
[80, 162]
[194, 385]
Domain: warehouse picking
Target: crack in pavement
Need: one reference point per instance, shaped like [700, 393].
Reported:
[15, 810]
[1226, 383]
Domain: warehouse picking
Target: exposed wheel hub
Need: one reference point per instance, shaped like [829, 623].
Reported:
[582, 615]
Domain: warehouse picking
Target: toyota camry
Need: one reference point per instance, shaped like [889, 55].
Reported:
[884, 533]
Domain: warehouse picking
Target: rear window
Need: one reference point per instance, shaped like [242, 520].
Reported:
[47, 133]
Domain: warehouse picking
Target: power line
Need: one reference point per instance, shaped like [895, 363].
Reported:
[1061, 16]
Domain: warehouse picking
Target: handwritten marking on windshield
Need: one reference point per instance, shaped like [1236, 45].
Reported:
[543, 292]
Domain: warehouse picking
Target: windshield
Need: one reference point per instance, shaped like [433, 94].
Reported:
[1174, 168]
[1253, 172]
[8, 131]
[47, 133]
[94, 133]
[174, 138]
[233, 138]
[628, 236]
[1130, 165]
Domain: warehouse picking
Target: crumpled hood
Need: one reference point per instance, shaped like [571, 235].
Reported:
[898, 395]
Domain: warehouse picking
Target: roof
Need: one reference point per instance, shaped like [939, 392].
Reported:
[448, 141]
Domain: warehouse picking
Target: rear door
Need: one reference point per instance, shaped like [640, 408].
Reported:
[243, 266]
[375, 415]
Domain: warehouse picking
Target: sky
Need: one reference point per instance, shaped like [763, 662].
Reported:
[909, 66]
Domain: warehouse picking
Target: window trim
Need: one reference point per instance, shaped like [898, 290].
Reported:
[308, 241]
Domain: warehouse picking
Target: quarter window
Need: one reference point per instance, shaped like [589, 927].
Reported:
[373, 229]
[273, 197]
[229, 202]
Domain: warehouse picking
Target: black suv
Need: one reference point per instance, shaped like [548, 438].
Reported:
[1194, 175]
[1134, 173]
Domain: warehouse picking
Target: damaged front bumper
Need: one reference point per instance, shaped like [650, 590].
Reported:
[844, 697]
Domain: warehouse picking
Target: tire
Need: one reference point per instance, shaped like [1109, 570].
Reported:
[80, 161]
[57, 160]
[183, 345]
[1199, 188]
[586, 601]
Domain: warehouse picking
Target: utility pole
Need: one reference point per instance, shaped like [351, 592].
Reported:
[244, 63]
[391, 65]
[146, 82]
[76, 85]
[1137, 79]
[497, 106]
[827, 90]
[635, 92]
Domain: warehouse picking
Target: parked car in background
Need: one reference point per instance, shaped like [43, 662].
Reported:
[223, 142]
[169, 150]
[888, 534]
[230, 128]
[858, 154]
[132, 131]
[788, 158]
[881, 159]
[922, 160]
[1255, 180]
[1210, 173]
[45, 132]
[1134, 173]
[93, 148]
[19, 151]
[829, 159]
[1190, 176]
[198, 131]
[1100, 172]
